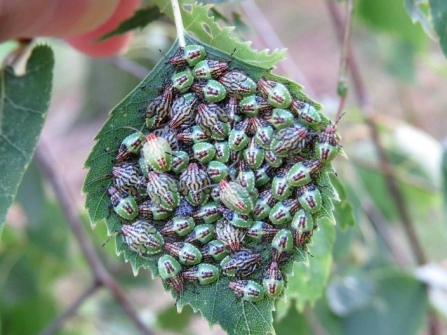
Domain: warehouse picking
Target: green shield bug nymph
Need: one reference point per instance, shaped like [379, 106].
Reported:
[235, 197]
[162, 189]
[131, 145]
[263, 204]
[282, 242]
[188, 55]
[202, 233]
[229, 234]
[207, 213]
[123, 204]
[328, 144]
[157, 153]
[302, 172]
[302, 225]
[306, 112]
[210, 90]
[214, 250]
[128, 177]
[281, 190]
[261, 230]
[253, 105]
[209, 69]
[142, 238]
[273, 281]
[179, 226]
[275, 93]
[240, 263]
[153, 211]
[186, 253]
[284, 211]
[217, 171]
[279, 118]
[238, 138]
[287, 140]
[309, 197]
[238, 83]
[182, 80]
[248, 290]
[170, 271]
[203, 273]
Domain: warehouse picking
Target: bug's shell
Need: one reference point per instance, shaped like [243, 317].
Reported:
[159, 107]
[272, 159]
[275, 93]
[182, 80]
[232, 109]
[186, 253]
[209, 69]
[290, 139]
[162, 189]
[204, 152]
[253, 105]
[222, 152]
[263, 175]
[280, 118]
[253, 155]
[281, 190]
[302, 225]
[246, 176]
[306, 112]
[142, 238]
[301, 173]
[217, 171]
[263, 205]
[264, 136]
[215, 250]
[261, 230]
[157, 153]
[189, 55]
[283, 211]
[178, 225]
[128, 178]
[238, 138]
[194, 184]
[192, 135]
[237, 220]
[213, 91]
[203, 273]
[180, 160]
[240, 263]
[207, 213]
[327, 146]
[235, 197]
[273, 281]
[229, 234]
[237, 83]
[202, 233]
[153, 211]
[282, 242]
[131, 145]
[182, 110]
[170, 271]
[123, 204]
[309, 197]
[248, 290]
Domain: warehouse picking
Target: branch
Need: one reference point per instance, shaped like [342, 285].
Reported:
[178, 23]
[101, 275]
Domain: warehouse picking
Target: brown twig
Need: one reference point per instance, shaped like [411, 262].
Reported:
[101, 277]
[385, 165]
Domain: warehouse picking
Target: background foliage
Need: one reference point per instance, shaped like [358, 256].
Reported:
[374, 285]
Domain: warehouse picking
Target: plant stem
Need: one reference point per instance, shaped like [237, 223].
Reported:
[178, 23]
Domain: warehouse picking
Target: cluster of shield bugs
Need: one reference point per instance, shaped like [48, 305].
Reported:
[223, 179]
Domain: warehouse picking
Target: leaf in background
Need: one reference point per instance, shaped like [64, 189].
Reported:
[418, 10]
[344, 213]
[196, 20]
[438, 10]
[293, 323]
[400, 60]
[24, 103]
[140, 19]
[444, 175]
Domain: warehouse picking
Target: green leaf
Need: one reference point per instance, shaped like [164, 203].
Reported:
[24, 103]
[309, 280]
[418, 10]
[140, 19]
[444, 175]
[196, 20]
[216, 302]
[438, 10]
[293, 323]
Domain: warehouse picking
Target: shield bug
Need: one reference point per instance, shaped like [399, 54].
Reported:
[186, 253]
[123, 204]
[194, 184]
[301, 173]
[215, 250]
[237, 220]
[131, 145]
[287, 140]
[229, 234]
[157, 153]
[210, 117]
[209, 69]
[180, 160]
[235, 197]
[202, 233]
[182, 80]
[217, 171]
[306, 112]
[237, 83]
[240, 263]
[232, 108]
[192, 135]
[273, 281]
[209, 90]
[276, 93]
[263, 175]
[207, 213]
[281, 190]
[170, 271]
[142, 238]
[282, 242]
[264, 132]
[182, 110]
[222, 152]
[160, 105]
[328, 144]
[309, 197]
[162, 189]
[253, 154]
[302, 225]
[128, 177]
[153, 211]
[284, 211]
[261, 230]
[263, 205]
[180, 226]
[248, 290]
[246, 176]
[238, 138]
[272, 159]
[203, 273]
[203, 152]
[279, 118]
[253, 105]
[188, 55]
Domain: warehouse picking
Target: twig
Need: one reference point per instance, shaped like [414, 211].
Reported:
[100, 274]
[178, 23]
[272, 41]
[364, 102]
[59, 321]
